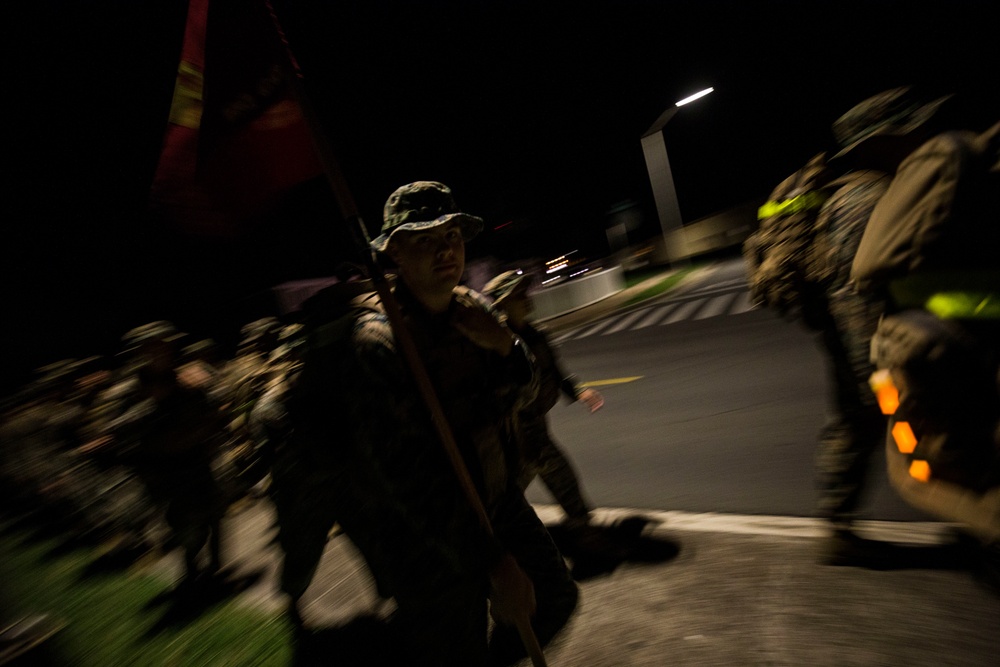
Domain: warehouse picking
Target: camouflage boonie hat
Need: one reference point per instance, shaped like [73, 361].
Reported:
[507, 283]
[57, 371]
[422, 205]
[893, 113]
[260, 329]
[200, 347]
[160, 330]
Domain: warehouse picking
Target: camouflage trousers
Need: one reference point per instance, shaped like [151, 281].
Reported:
[442, 617]
[855, 429]
[305, 502]
[190, 496]
[542, 457]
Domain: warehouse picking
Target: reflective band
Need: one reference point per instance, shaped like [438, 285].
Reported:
[951, 293]
[803, 202]
[885, 391]
[920, 470]
[905, 439]
[964, 305]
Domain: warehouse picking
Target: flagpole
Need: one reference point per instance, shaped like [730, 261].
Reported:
[359, 236]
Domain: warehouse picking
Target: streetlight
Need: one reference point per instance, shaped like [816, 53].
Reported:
[654, 148]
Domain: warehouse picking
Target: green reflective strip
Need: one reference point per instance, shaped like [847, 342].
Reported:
[803, 202]
[964, 305]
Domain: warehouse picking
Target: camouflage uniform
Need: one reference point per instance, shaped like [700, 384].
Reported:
[418, 532]
[399, 499]
[170, 437]
[857, 428]
[540, 456]
[240, 384]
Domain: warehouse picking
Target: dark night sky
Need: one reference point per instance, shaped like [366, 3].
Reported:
[531, 111]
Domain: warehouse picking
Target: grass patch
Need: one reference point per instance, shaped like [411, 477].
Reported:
[113, 619]
[633, 278]
[662, 286]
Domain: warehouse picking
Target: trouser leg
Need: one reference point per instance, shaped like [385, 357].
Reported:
[857, 428]
[545, 459]
[522, 532]
[559, 477]
[304, 523]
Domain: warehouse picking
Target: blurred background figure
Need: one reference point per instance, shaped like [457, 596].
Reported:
[540, 455]
[800, 264]
[169, 437]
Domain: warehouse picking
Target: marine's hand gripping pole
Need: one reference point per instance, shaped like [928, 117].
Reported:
[360, 239]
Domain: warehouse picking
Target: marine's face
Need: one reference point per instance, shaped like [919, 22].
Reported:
[430, 260]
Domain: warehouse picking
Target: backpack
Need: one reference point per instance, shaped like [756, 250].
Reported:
[313, 396]
[940, 218]
[781, 255]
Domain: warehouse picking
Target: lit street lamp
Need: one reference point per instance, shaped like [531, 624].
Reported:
[654, 149]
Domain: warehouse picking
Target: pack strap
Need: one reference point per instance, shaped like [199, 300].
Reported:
[951, 295]
[965, 305]
[805, 202]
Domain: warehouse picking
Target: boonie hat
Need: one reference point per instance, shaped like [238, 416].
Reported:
[892, 113]
[422, 205]
[507, 283]
[159, 330]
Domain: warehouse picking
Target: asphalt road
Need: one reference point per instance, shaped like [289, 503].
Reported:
[710, 415]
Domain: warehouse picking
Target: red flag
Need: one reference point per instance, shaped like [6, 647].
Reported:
[236, 139]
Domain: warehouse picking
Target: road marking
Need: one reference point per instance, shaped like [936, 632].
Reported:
[743, 303]
[653, 316]
[716, 306]
[624, 322]
[592, 329]
[710, 303]
[905, 532]
[683, 312]
[601, 383]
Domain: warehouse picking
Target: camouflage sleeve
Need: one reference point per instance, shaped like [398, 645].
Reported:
[568, 384]
[402, 468]
[517, 384]
[519, 379]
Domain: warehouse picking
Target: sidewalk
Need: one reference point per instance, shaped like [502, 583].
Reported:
[740, 591]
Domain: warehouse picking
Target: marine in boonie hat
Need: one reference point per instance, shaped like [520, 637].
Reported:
[422, 205]
[159, 330]
[894, 113]
[506, 284]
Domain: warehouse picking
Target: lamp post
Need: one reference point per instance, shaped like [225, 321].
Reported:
[654, 148]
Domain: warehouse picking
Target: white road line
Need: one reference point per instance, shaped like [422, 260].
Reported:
[907, 532]
[585, 330]
[699, 290]
[716, 306]
[624, 322]
[564, 336]
[742, 304]
[654, 315]
[600, 326]
[683, 312]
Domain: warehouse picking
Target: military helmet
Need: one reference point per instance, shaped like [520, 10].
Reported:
[423, 205]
